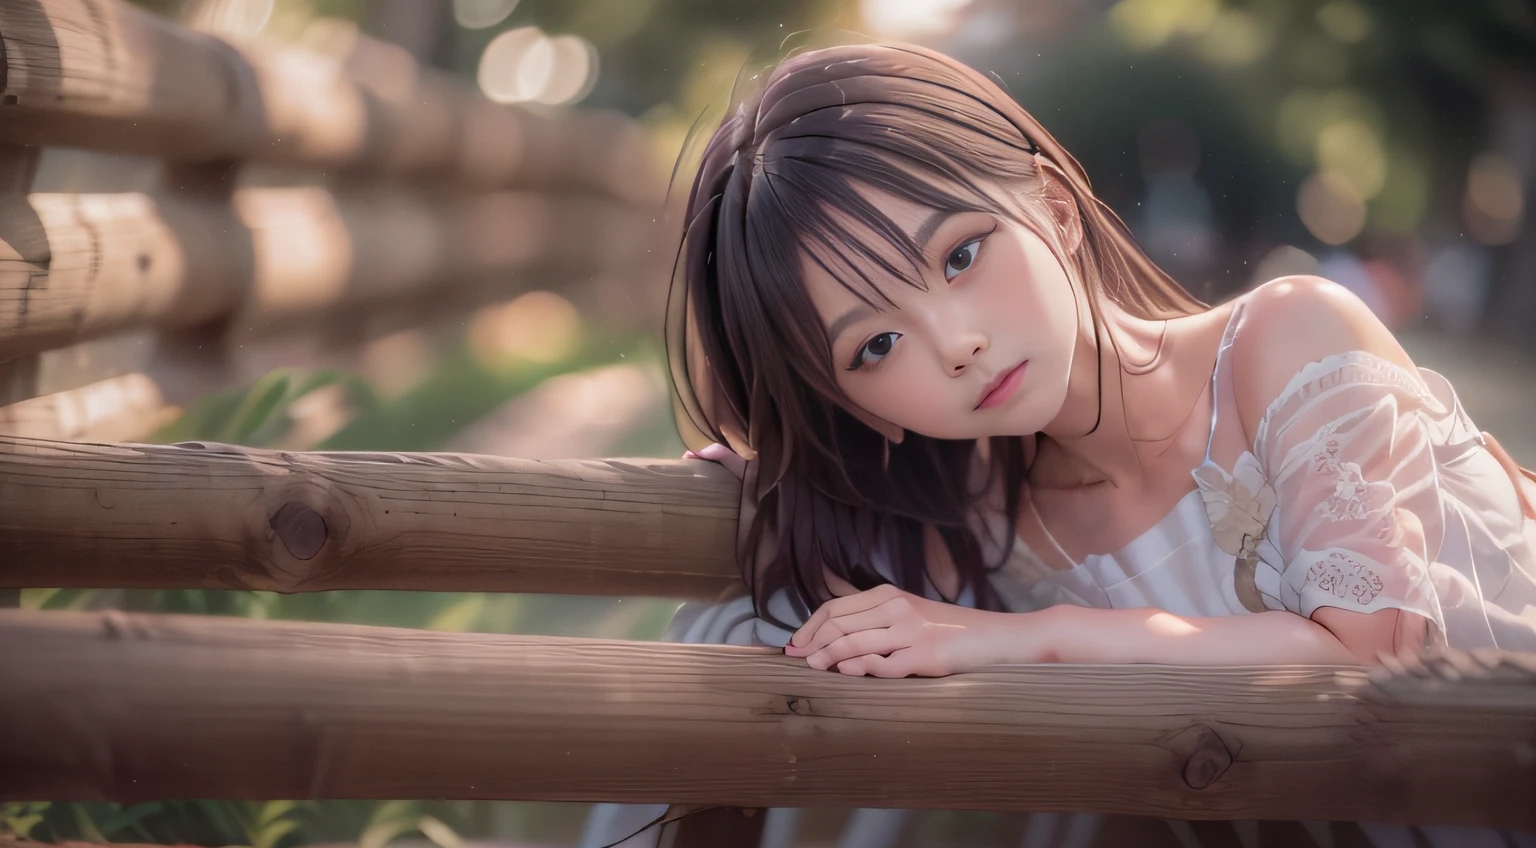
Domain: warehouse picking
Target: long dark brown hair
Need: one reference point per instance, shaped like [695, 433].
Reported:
[750, 361]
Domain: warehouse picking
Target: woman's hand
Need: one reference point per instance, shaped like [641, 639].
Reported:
[723, 455]
[885, 632]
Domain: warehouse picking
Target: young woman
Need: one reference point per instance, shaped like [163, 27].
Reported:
[978, 426]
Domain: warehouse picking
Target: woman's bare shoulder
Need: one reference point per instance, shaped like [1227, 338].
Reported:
[1290, 322]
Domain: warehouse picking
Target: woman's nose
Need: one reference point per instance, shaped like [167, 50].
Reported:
[962, 350]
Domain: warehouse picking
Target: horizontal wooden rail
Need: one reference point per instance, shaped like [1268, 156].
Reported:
[218, 516]
[134, 707]
[76, 366]
[120, 409]
[104, 75]
[122, 261]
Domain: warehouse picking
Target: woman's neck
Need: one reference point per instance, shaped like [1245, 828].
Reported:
[1134, 386]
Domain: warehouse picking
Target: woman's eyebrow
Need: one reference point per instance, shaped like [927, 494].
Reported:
[849, 317]
[925, 232]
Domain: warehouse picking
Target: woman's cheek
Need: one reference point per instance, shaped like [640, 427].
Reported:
[914, 403]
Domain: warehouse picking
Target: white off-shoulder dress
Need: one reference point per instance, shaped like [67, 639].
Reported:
[1367, 488]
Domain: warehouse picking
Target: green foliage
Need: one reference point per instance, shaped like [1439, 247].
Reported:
[461, 389]
[271, 822]
[256, 824]
[20, 818]
[258, 415]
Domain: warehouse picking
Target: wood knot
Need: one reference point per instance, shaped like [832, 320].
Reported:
[301, 529]
[798, 706]
[1209, 760]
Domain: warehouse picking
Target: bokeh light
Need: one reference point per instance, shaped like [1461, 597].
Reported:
[1330, 207]
[1306, 112]
[334, 37]
[1493, 205]
[501, 76]
[1351, 150]
[1235, 38]
[228, 18]
[911, 18]
[524, 65]
[1347, 21]
[540, 326]
[1149, 24]
[574, 70]
[480, 14]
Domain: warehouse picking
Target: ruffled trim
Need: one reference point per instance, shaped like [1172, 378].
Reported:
[1330, 372]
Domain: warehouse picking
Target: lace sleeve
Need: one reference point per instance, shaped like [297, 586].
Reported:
[1358, 515]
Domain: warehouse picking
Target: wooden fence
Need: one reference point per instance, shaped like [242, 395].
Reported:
[434, 199]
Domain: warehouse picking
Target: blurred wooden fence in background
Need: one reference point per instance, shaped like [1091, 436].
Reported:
[417, 198]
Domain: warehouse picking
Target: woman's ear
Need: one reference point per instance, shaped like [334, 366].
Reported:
[1060, 203]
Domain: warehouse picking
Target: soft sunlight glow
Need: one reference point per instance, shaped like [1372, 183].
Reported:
[334, 37]
[574, 70]
[540, 326]
[1235, 38]
[480, 14]
[397, 362]
[501, 74]
[1351, 149]
[1307, 112]
[1346, 21]
[911, 18]
[525, 65]
[228, 18]
[1330, 207]
[1149, 24]
[536, 69]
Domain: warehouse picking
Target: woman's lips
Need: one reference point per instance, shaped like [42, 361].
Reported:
[1003, 386]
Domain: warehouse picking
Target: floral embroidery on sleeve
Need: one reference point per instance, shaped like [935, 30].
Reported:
[1353, 497]
[1349, 449]
[1345, 577]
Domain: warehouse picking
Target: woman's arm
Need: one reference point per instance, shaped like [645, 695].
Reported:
[885, 632]
[1086, 635]
[1351, 464]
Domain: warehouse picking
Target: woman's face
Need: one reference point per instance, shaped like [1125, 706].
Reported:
[985, 350]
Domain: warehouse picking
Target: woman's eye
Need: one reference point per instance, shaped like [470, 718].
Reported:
[874, 350]
[961, 258]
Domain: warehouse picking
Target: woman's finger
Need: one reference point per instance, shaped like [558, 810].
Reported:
[883, 615]
[726, 457]
[899, 664]
[880, 641]
[846, 605]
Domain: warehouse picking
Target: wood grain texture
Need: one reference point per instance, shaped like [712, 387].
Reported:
[213, 516]
[273, 255]
[134, 707]
[104, 75]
